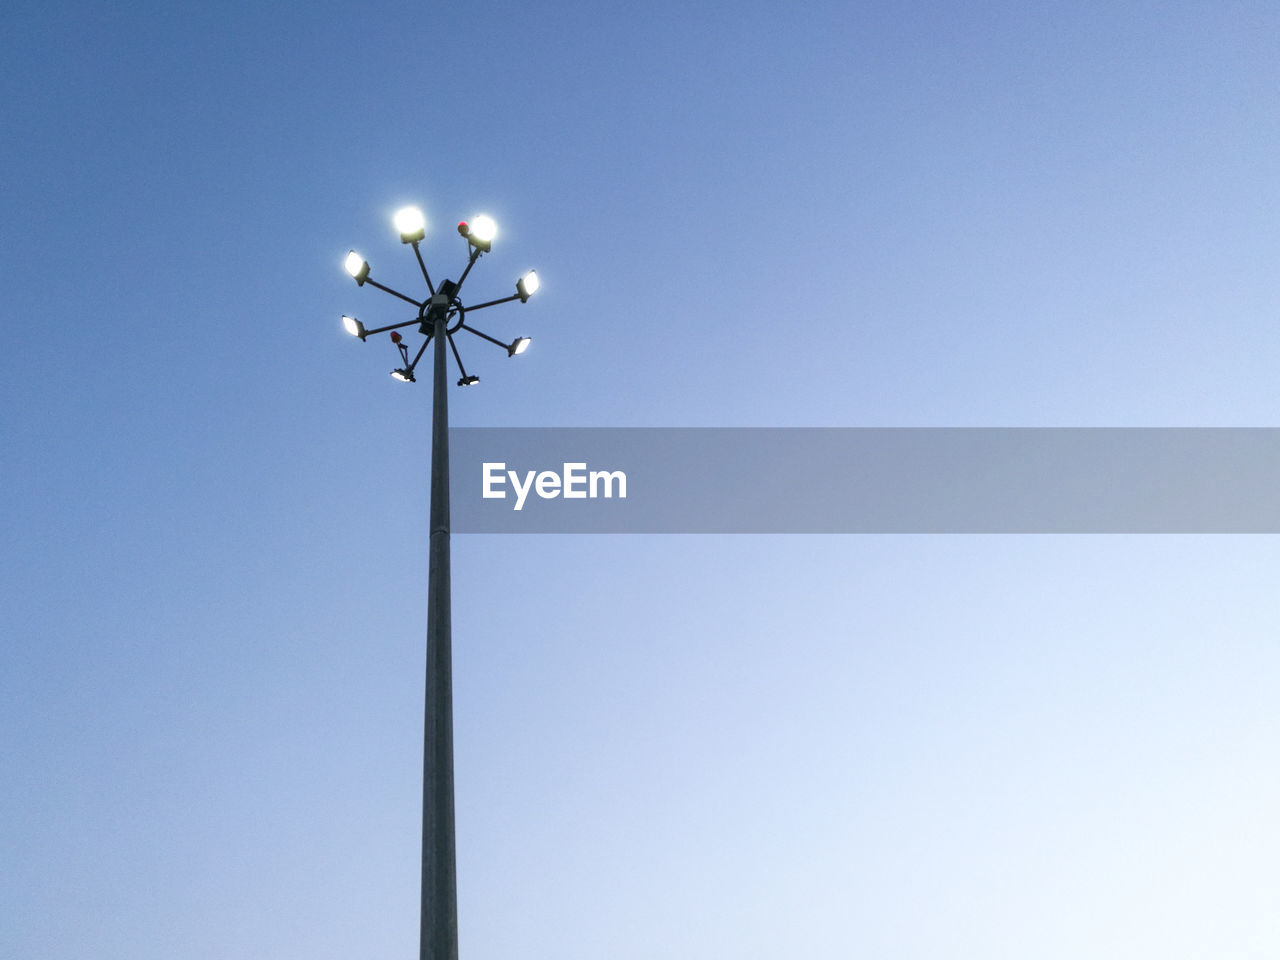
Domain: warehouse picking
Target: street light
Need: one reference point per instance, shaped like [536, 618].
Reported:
[353, 327]
[439, 317]
[481, 232]
[527, 286]
[357, 267]
[411, 224]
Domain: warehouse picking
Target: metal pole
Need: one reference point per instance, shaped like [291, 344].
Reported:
[438, 939]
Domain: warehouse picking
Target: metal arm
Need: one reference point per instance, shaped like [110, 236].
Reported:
[471, 262]
[425, 276]
[394, 293]
[421, 350]
[457, 356]
[394, 326]
[494, 303]
[484, 336]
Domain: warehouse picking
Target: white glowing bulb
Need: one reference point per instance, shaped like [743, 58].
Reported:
[355, 265]
[411, 224]
[484, 229]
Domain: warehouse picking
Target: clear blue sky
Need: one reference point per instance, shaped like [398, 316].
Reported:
[212, 596]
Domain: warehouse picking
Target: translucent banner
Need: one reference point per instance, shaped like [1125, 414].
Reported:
[864, 480]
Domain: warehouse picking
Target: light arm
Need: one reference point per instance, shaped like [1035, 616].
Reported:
[425, 276]
[394, 326]
[485, 336]
[421, 350]
[494, 303]
[394, 293]
[471, 262]
[457, 356]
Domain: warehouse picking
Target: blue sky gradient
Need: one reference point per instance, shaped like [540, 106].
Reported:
[213, 599]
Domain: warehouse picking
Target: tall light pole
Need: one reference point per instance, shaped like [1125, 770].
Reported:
[439, 317]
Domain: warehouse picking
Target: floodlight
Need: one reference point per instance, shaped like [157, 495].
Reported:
[411, 224]
[527, 286]
[357, 267]
[353, 326]
[439, 313]
[443, 303]
[481, 232]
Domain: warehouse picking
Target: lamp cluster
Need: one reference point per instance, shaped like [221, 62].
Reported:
[443, 300]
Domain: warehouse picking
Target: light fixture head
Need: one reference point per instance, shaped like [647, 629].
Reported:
[518, 346]
[468, 381]
[357, 267]
[481, 231]
[411, 224]
[353, 326]
[404, 375]
[527, 286]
